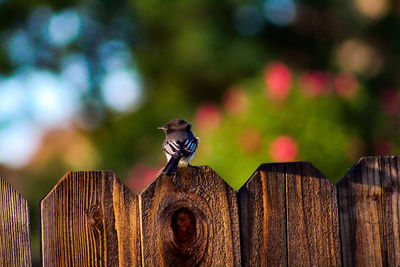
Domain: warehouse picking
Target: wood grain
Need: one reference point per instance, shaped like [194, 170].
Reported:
[90, 219]
[262, 203]
[289, 216]
[190, 219]
[312, 217]
[369, 213]
[15, 246]
[390, 180]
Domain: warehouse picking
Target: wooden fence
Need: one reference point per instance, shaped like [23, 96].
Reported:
[285, 214]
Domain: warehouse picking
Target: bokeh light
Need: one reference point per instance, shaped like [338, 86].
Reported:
[75, 69]
[207, 117]
[316, 83]
[64, 27]
[114, 55]
[12, 99]
[284, 148]
[56, 84]
[52, 100]
[18, 143]
[346, 85]
[121, 90]
[81, 153]
[357, 56]
[280, 12]
[278, 80]
[373, 9]
[20, 48]
[235, 100]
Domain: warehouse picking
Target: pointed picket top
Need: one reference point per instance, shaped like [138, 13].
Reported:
[279, 165]
[371, 164]
[289, 215]
[90, 218]
[190, 219]
[369, 199]
[15, 244]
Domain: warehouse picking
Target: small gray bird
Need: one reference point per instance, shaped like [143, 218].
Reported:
[180, 144]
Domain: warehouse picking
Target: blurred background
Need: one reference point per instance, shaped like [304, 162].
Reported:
[85, 84]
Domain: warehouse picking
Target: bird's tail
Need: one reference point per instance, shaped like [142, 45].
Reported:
[171, 166]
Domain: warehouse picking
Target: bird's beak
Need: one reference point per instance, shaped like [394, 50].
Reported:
[161, 128]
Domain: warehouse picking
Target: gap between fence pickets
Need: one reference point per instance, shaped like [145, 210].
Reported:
[286, 215]
[141, 228]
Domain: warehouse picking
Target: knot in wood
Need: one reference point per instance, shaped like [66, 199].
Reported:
[95, 216]
[185, 228]
[183, 225]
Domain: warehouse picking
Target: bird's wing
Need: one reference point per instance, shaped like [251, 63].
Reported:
[177, 148]
[190, 145]
[172, 147]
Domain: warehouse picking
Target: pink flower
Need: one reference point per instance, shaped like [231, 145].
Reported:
[316, 83]
[278, 81]
[346, 85]
[140, 176]
[250, 141]
[235, 100]
[207, 117]
[283, 148]
[390, 101]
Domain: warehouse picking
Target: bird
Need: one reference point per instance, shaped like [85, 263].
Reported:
[179, 146]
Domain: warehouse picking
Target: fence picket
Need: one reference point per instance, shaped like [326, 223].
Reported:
[312, 217]
[15, 246]
[369, 213]
[289, 216]
[390, 180]
[190, 219]
[90, 219]
[262, 206]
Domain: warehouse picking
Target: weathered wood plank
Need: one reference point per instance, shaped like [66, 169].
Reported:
[289, 216]
[369, 213]
[262, 203]
[312, 217]
[390, 180]
[90, 219]
[190, 219]
[15, 244]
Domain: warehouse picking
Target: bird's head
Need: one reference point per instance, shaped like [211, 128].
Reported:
[174, 125]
